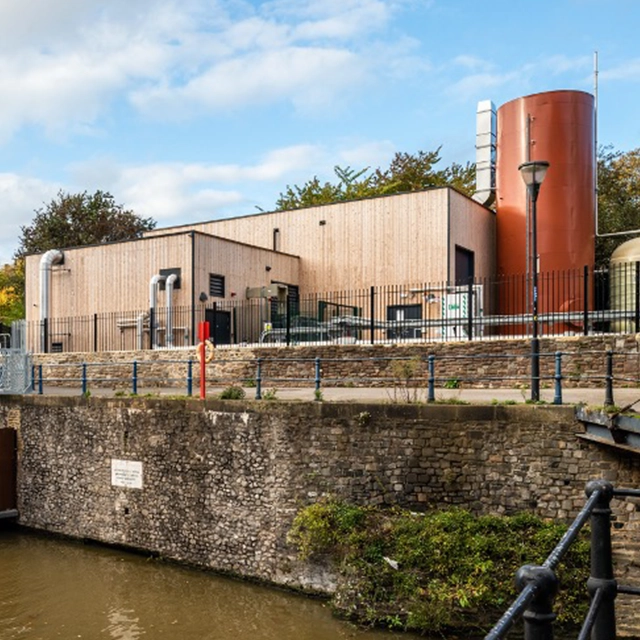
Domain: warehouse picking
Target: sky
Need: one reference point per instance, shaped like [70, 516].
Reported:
[192, 110]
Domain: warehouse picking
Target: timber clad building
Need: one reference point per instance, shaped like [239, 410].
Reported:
[432, 264]
[436, 236]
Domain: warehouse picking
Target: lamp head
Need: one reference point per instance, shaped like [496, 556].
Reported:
[533, 172]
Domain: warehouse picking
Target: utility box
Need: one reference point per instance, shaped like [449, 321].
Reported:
[456, 305]
[277, 291]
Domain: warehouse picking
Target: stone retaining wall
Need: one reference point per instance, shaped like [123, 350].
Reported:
[221, 482]
[500, 363]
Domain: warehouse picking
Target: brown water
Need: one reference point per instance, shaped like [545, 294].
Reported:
[51, 588]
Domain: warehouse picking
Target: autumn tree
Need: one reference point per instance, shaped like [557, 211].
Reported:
[405, 173]
[11, 292]
[618, 199]
[74, 220]
[69, 220]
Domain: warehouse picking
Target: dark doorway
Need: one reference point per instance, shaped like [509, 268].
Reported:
[219, 325]
[7, 469]
[465, 266]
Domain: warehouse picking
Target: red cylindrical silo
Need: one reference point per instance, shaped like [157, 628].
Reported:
[556, 126]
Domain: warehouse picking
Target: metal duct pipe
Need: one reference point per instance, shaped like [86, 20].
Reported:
[48, 259]
[153, 303]
[170, 282]
[140, 330]
[485, 153]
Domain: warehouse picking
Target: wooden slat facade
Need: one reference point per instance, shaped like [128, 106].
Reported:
[379, 241]
[115, 277]
[393, 241]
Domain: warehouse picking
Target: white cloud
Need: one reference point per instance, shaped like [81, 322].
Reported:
[472, 62]
[369, 154]
[627, 70]
[478, 84]
[170, 192]
[308, 77]
[67, 62]
[20, 197]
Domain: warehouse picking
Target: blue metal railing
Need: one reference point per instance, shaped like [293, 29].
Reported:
[429, 372]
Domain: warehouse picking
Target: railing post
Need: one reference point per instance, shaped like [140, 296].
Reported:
[288, 319]
[134, 378]
[470, 310]
[45, 335]
[95, 332]
[215, 324]
[557, 398]
[152, 328]
[190, 377]
[317, 378]
[601, 578]
[608, 394]
[636, 283]
[431, 393]
[372, 312]
[585, 303]
[259, 379]
[539, 617]
[535, 366]
[84, 378]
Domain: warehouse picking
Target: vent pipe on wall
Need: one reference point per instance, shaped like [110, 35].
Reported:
[171, 280]
[48, 259]
[153, 303]
[485, 153]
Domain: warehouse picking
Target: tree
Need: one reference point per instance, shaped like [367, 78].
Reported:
[618, 199]
[69, 220]
[406, 173]
[415, 172]
[351, 186]
[73, 220]
[11, 292]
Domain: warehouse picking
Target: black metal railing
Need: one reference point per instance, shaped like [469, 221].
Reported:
[578, 302]
[538, 584]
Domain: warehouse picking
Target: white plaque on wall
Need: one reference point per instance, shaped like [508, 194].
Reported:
[126, 473]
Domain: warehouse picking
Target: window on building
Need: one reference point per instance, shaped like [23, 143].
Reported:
[216, 286]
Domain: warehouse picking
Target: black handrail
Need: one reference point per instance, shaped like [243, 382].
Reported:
[538, 584]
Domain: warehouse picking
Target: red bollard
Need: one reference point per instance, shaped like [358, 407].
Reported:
[203, 336]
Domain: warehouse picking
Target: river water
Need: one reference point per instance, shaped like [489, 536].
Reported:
[53, 589]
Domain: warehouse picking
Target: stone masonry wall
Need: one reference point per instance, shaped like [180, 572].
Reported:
[222, 481]
[500, 363]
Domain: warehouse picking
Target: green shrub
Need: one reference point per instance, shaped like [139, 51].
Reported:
[270, 394]
[232, 392]
[454, 571]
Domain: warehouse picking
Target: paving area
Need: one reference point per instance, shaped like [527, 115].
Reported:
[594, 396]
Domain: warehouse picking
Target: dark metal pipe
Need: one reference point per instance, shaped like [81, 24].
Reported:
[608, 396]
[601, 579]
[557, 398]
[259, 379]
[431, 364]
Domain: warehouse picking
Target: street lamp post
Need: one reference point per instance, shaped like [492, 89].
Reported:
[533, 174]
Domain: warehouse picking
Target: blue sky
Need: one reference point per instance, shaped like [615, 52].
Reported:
[192, 110]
